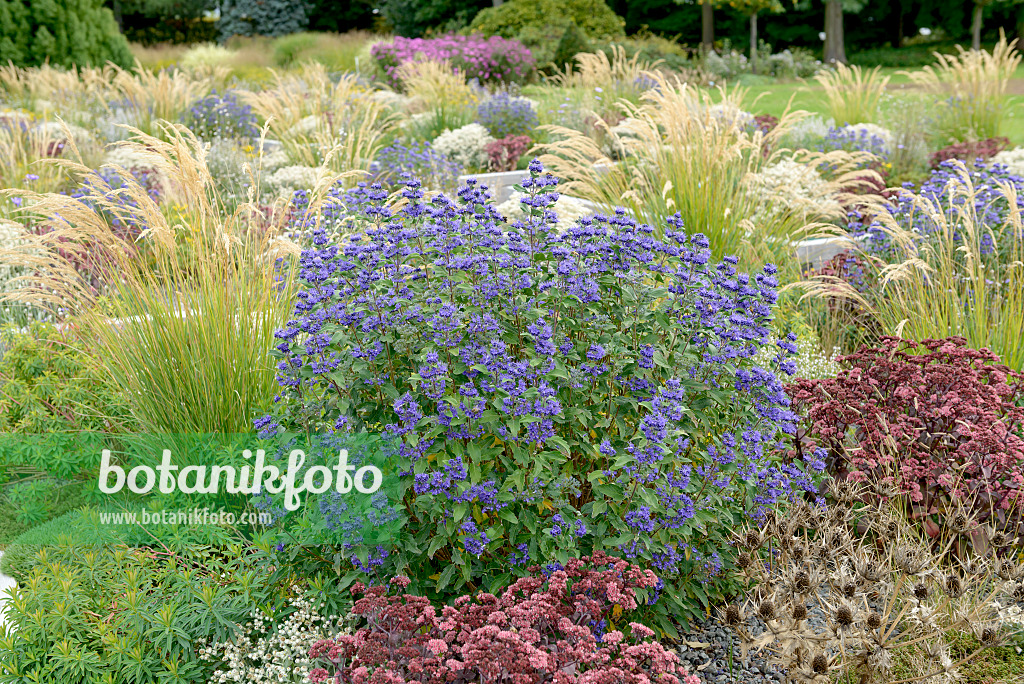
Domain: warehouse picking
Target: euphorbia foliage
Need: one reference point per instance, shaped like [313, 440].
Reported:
[942, 425]
[561, 625]
[555, 393]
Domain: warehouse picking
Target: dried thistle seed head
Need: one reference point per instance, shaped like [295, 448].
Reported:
[849, 590]
[733, 615]
[844, 616]
[802, 581]
[766, 610]
[874, 620]
[752, 540]
[921, 591]
[820, 664]
[960, 522]
[1018, 591]
[1000, 539]
[953, 586]
[892, 529]
[743, 560]
[988, 635]
[799, 612]
[799, 551]
[972, 567]
[1006, 569]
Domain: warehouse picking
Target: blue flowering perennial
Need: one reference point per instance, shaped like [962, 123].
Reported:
[853, 139]
[419, 160]
[954, 192]
[554, 392]
[503, 115]
[222, 116]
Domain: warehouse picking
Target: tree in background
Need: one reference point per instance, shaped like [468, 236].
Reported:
[261, 18]
[64, 32]
[165, 21]
[835, 43]
[707, 26]
[752, 8]
[414, 18]
[978, 14]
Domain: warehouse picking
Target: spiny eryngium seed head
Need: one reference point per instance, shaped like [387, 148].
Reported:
[766, 610]
[844, 616]
[799, 612]
[874, 620]
[921, 591]
[820, 664]
[733, 616]
[954, 588]
[752, 540]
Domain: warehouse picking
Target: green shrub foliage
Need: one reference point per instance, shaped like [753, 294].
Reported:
[64, 33]
[509, 20]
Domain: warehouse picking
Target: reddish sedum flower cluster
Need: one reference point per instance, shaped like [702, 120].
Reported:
[943, 424]
[504, 154]
[543, 628]
[970, 151]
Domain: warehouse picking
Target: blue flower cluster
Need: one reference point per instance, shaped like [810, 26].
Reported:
[504, 115]
[948, 191]
[854, 140]
[222, 115]
[598, 382]
[419, 160]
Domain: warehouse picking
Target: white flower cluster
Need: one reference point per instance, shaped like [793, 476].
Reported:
[793, 185]
[466, 145]
[806, 133]
[568, 209]
[130, 158]
[288, 179]
[1012, 159]
[811, 360]
[870, 130]
[730, 115]
[275, 654]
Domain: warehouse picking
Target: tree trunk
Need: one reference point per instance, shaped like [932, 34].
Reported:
[835, 46]
[707, 26]
[753, 42]
[976, 27]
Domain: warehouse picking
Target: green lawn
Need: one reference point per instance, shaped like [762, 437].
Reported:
[769, 96]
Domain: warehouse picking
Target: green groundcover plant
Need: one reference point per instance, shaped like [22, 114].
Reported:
[554, 393]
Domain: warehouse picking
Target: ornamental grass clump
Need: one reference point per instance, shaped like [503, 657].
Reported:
[559, 624]
[188, 296]
[940, 422]
[852, 93]
[972, 85]
[319, 120]
[948, 260]
[684, 152]
[556, 391]
[848, 592]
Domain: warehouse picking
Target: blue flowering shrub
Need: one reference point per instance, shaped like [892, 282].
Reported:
[554, 392]
[420, 160]
[222, 115]
[949, 193]
[504, 115]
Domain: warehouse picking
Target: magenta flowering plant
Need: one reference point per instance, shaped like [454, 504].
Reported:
[493, 60]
